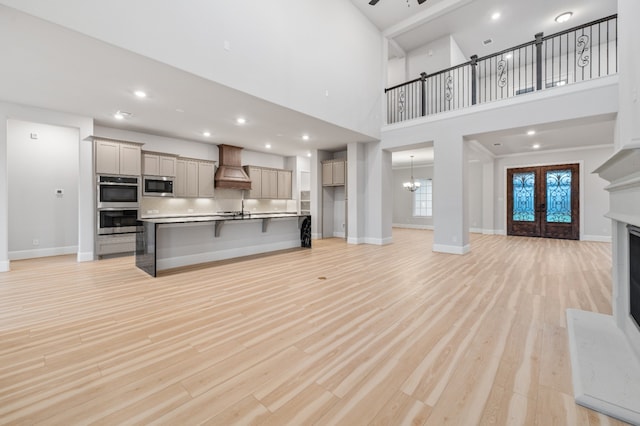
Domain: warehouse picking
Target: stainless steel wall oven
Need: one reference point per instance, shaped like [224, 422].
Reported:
[117, 221]
[117, 192]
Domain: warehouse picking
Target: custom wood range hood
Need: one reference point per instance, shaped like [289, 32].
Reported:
[230, 174]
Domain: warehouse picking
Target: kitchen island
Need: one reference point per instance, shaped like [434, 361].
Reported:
[172, 242]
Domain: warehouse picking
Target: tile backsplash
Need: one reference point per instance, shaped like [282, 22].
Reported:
[225, 200]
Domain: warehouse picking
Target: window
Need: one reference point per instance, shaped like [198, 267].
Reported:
[422, 199]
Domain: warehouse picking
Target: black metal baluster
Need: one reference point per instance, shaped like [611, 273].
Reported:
[539, 61]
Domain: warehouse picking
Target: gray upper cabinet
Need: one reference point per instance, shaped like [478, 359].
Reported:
[255, 174]
[284, 184]
[117, 158]
[206, 172]
[155, 164]
[268, 183]
[334, 172]
[194, 178]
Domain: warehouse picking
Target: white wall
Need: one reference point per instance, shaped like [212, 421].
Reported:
[457, 55]
[86, 203]
[403, 199]
[174, 146]
[629, 60]
[397, 71]
[430, 58]
[287, 52]
[594, 200]
[475, 196]
[42, 223]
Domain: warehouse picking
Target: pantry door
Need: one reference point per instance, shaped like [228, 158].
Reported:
[544, 201]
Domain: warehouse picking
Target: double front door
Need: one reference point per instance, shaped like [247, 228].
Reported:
[544, 201]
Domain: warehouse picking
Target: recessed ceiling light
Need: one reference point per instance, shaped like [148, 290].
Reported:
[119, 115]
[536, 146]
[140, 94]
[497, 144]
[206, 134]
[305, 137]
[495, 16]
[531, 132]
[241, 120]
[268, 146]
[564, 17]
[487, 41]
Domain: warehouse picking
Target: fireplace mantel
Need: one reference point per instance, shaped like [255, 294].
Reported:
[605, 349]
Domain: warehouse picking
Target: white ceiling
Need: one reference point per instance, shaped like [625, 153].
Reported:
[469, 21]
[588, 132]
[55, 68]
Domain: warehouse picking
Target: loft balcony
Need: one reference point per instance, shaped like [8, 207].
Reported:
[582, 53]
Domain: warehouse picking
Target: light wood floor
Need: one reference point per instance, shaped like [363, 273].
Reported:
[336, 335]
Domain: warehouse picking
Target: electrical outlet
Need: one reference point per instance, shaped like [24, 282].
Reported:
[36, 242]
[59, 193]
[33, 136]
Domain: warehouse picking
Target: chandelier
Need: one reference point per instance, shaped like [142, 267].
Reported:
[412, 185]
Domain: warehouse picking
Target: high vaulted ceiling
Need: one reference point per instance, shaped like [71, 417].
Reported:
[470, 22]
[49, 66]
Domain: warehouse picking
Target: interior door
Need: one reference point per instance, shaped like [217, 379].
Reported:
[544, 201]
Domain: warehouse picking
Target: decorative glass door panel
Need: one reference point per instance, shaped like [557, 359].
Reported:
[524, 197]
[559, 196]
[543, 201]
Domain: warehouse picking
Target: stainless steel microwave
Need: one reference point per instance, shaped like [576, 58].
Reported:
[157, 186]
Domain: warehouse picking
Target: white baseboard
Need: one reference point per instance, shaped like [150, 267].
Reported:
[500, 232]
[30, 254]
[597, 238]
[411, 226]
[5, 266]
[316, 236]
[85, 256]
[476, 230]
[193, 259]
[441, 248]
[378, 241]
[352, 240]
[489, 232]
[338, 234]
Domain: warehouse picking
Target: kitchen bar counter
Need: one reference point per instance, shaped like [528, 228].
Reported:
[170, 242]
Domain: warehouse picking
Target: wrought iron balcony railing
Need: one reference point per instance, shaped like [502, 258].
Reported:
[582, 53]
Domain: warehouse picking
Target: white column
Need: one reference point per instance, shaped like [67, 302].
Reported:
[356, 162]
[4, 195]
[379, 196]
[86, 203]
[450, 205]
[488, 226]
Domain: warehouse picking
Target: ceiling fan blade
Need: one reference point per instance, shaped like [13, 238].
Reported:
[373, 2]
